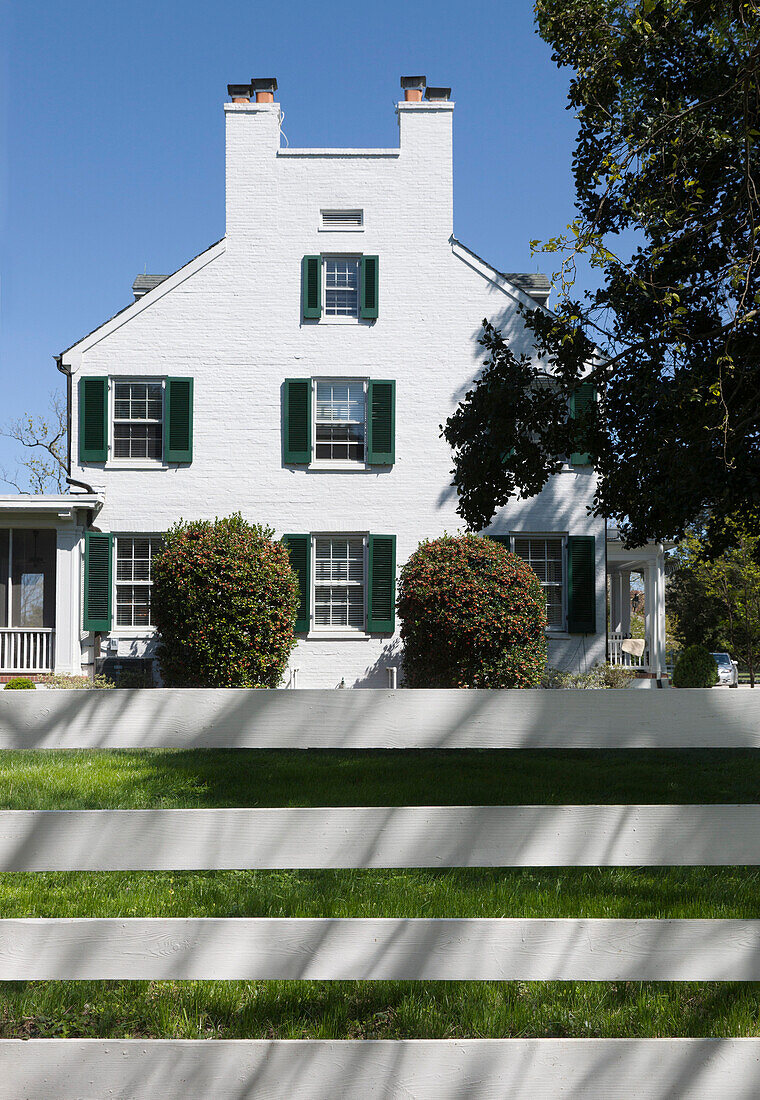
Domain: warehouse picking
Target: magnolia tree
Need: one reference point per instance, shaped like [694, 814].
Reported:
[473, 615]
[224, 602]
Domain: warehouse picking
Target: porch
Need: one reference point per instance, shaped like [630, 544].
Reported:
[645, 654]
[40, 567]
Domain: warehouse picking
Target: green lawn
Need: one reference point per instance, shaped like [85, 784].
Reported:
[378, 1009]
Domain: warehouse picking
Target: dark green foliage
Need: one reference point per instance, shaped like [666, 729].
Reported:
[666, 168]
[696, 668]
[473, 615]
[19, 683]
[129, 678]
[224, 603]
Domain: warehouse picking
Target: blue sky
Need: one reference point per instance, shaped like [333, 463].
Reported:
[112, 134]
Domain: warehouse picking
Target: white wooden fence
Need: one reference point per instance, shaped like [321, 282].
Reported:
[380, 948]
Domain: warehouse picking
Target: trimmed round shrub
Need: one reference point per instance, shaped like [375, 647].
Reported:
[473, 615]
[224, 603]
[695, 668]
[19, 683]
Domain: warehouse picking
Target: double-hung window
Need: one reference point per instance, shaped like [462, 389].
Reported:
[339, 565]
[138, 419]
[340, 417]
[545, 554]
[341, 274]
[134, 558]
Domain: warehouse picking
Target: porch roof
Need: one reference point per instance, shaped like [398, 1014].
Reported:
[52, 505]
[637, 557]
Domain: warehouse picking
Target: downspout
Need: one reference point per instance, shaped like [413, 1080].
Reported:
[70, 480]
[67, 372]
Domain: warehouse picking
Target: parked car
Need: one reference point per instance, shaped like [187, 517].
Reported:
[728, 670]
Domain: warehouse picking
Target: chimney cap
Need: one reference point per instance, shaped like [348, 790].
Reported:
[239, 91]
[438, 94]
[414, 82]
[263, 84]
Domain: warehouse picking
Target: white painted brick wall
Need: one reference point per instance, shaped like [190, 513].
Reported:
[235, 326]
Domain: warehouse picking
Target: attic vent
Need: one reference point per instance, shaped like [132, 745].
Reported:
[342, 219]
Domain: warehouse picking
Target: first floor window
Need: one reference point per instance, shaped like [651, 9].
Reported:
[545, 555]
[339, 581]
[134, 556]
[341, 286]
[339, 421]
[138, 420]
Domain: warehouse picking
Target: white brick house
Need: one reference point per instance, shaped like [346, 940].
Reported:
[297, 371]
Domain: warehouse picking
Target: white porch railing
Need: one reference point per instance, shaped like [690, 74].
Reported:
[26, 649]
[616, 655]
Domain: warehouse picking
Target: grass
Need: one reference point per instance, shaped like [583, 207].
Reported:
[71, 780]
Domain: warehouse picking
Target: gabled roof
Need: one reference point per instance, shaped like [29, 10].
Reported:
[533, 284]
[152, 294]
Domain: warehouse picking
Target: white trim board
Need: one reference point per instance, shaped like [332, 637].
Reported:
[378, 718]
[426, 1069]
[327, 949]
[379, 836]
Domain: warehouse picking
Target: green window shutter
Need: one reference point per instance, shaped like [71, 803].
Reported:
[296, 396]
[381, 427]
[98, 557]
[583, 397]
[178, 420]
[369, 288]
[311, 287]
[93, 420]
[581, 584]
[299, 548]
[381, 584]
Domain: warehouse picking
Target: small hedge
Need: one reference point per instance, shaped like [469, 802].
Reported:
[19, 683]
[695, 668]
[224, 603]
[473, 615]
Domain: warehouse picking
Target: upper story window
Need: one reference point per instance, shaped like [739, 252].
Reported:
[341, 286]
[339, 421]
[138, 419]
[342, 289]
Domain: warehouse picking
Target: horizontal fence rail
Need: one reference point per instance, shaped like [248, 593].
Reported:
[379, 836]
[443, 1069]
[380, 949]
[375, 718]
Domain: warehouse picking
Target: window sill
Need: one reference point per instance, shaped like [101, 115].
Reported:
[337, 635]
[340, 229]
[135, 464]
[132, 632]
[340, 467]
[326, 320]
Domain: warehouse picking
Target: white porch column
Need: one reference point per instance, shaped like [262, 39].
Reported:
[617, 601]
[67, 652]
[625, 601]
[657, 618]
